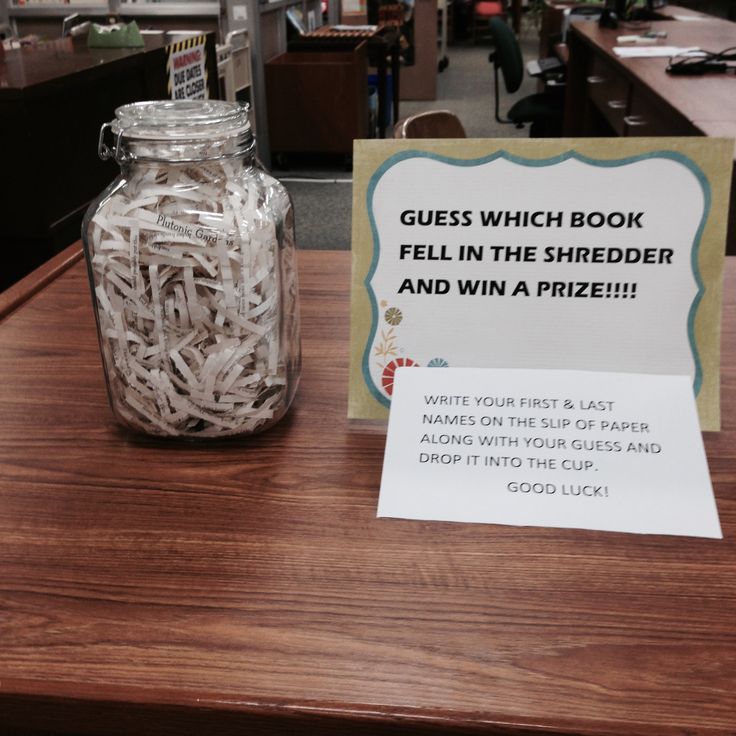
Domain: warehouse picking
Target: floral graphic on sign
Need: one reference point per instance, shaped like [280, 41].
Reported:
[386, 347]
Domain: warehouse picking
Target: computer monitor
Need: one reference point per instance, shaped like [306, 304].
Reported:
[637, 8]
[295, 21]
[633, 9]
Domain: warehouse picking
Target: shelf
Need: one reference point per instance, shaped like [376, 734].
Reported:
[201, 9]
[162, 10]
[54, 10]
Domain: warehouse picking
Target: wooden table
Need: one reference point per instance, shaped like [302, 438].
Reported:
[148, 588]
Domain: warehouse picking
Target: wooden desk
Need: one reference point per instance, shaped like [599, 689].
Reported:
[248, 587]
[607, 95]
[553, 12]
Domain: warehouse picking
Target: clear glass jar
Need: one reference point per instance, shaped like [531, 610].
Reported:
[192, 264]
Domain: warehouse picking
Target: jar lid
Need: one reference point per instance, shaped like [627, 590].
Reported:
[178, 130]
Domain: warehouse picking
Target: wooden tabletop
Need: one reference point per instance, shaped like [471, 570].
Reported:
[36, 69]
[151, 588]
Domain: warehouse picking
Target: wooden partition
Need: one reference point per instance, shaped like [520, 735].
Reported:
[419, 80]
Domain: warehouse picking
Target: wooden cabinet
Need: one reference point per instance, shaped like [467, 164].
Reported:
[317, 101]
[627, 107]
[648, 116]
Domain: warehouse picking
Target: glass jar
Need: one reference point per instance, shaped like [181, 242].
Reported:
[192, 265]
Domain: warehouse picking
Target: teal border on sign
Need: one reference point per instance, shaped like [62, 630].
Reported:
[404, 155]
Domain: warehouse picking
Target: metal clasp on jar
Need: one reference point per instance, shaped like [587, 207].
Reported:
[104, 151]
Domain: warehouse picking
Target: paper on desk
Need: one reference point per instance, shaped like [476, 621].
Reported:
[572, 449]
[634, 52]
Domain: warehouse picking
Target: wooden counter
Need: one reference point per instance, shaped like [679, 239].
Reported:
[152, 588]
[608, 95]
[53, 99]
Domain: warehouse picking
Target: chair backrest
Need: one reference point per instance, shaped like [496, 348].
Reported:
[430, 124]
[507, 54]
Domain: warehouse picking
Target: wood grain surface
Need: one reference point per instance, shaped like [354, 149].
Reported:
[12, 297]
[247, 587]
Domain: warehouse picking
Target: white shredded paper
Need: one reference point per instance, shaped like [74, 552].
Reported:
[195, 284]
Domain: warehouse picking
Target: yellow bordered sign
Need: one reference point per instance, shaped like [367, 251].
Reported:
[186, 69]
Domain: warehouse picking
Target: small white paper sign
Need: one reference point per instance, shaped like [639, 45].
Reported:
[574, 449]
[187, 65]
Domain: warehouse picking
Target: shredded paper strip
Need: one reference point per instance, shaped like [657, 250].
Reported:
[195, 281]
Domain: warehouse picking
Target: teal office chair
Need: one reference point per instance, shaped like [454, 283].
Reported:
[542, 111]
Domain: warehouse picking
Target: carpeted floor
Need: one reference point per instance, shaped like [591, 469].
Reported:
[322, 211]
[321, 188]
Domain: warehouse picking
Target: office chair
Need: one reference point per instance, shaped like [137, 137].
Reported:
[544, 109]
[483, 12]
[430, 124]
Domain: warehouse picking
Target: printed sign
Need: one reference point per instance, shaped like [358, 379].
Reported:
[596, 255]
[187, 69]
[573, 449]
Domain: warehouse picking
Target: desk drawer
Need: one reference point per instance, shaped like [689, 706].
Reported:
[648, 116]
[608, 89]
